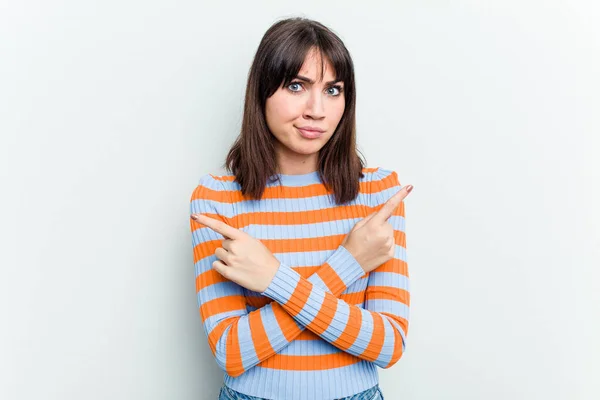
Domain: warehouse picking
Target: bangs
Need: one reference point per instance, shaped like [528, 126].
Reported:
[289, 54]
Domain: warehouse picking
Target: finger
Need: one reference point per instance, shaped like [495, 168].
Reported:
[222, 255]
[390, 205]
[364, 220]
[222, 269]
[226, 244]
[218, 226]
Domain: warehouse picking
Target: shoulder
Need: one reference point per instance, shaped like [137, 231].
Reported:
[383, 183]
[381, 178]
[212, 193]
[216, 180]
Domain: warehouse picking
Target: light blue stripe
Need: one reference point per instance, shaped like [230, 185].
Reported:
[402, 333]
[390, 306]
[213, 320]
[218, 290]
[339, 322]
[364, 335]
[319, 229]
[296, 259]
[274, 332]
[247, 350]
[272, 205]
[199, 206]
[309, 348]
[400, 253]
[384, 195]
[316, 280]
[300, 385]
[387, 350]
[221, 347]
[312, 179]
[388, 279]
[205, 234]
[311, 308]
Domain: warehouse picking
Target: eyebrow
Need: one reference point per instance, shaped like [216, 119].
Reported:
[305, 79]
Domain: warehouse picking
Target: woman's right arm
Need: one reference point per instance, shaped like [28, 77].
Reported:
[237, 338]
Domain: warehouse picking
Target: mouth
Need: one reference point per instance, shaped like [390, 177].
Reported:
[310, 133]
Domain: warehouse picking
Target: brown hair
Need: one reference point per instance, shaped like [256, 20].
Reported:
[277, 61]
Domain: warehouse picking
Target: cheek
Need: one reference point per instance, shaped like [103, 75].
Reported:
[279, 109]
[337, 111]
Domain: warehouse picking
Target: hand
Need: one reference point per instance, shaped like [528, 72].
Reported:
[242, 259]
[371, 240]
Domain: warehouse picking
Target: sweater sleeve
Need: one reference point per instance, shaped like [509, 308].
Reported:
[237, 338]
[377, 332]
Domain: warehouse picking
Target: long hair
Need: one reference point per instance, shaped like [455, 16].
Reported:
[280, 55]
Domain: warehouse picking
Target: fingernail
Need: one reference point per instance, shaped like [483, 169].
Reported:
[193, 217]
[409, 188]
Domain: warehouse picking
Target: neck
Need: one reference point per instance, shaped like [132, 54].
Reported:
[296, 164]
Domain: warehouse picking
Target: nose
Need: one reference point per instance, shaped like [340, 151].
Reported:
[315, 108]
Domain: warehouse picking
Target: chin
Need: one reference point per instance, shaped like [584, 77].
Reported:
[307, 149]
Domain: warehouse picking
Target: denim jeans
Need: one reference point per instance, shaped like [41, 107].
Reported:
[373, 393]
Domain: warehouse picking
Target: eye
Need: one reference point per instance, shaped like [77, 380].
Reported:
[294, 85]
[335, 88]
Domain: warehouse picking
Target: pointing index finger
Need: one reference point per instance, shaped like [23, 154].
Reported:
[218, 226]
[390, 205]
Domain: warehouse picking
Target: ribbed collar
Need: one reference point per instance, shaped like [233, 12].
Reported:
[298, 180]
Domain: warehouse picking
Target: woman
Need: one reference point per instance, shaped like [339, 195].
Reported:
[299, 252]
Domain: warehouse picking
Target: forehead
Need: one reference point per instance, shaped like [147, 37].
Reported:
[314, 65]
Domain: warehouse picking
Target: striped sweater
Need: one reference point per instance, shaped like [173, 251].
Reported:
[323, 325]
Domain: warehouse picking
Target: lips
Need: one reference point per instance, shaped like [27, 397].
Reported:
[310, 133]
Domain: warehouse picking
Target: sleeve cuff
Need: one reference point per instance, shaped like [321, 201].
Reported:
[285, 281]
[345, 266]
[283, 285]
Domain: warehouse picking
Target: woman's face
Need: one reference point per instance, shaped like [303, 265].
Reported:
[305, 103]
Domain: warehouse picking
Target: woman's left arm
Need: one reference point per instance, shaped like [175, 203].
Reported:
[376, 332]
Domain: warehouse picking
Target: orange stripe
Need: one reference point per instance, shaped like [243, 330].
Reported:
[286, 323]
[306, 244]
[351, 330]
[308, 363]
[394, 265]
[215, 334]
[351, 298]
[299, 297]
[374, 347]
[300, 217]
[206, 193]
[331, 279]
[356, 298]
[272, 192]
[308, 335]
[222, 304]
[205, 249]
[233, 354]
[403, 322]
[208, 278]
[388, 293]
[325, 315]
[259, 334]
[385, 183]
[397, 349]
[258, 301]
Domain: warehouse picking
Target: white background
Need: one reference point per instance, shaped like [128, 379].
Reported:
[111, 111]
